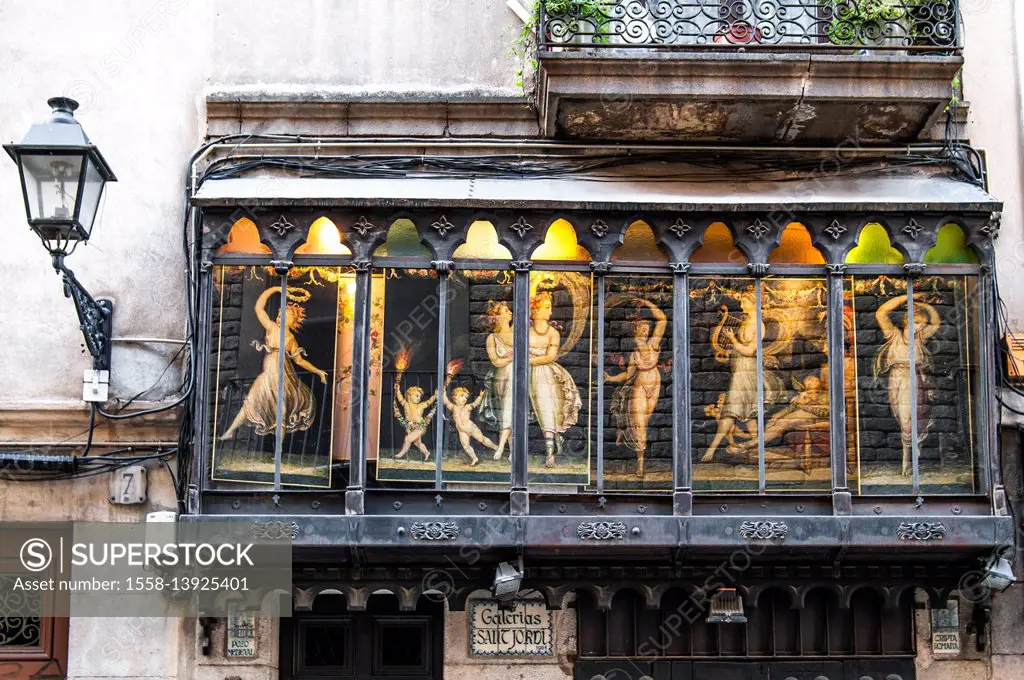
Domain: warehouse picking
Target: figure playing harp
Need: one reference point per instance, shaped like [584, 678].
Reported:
[635, 401]
[738, 414]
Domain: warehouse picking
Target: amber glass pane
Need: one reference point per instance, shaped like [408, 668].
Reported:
[403, 353]
[247, 337]
[323, 239]
[637, 423]
[478, 404]
[402, 241]
[796, 247]
[946, 314]
[883, 413]
[639, 245]
[244, 238]
[560, 244]
[482, 244]
[723, 356]
[874, 247]
[951, 248]
[718, 246]
[560, 373]
[796, 409]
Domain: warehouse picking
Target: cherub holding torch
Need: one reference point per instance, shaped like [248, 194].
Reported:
[415, 414]
[462, 410]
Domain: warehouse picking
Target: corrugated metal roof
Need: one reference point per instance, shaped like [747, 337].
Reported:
[876, 193]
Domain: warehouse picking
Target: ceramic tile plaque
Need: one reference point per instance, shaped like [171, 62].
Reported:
[521, 629]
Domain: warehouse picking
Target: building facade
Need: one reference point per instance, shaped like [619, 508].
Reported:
[682, 320]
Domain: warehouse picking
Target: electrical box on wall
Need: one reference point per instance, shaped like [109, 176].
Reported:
[1014, 357]
[128, 485]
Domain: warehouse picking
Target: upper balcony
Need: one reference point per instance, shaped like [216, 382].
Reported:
[746, 71]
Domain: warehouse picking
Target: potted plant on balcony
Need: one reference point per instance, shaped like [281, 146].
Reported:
[873, 23]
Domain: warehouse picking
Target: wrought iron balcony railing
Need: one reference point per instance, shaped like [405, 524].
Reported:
[797, 25]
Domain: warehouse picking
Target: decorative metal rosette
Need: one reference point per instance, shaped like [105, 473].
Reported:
[274, 530]
[435, 531]
[764, 531]
[601, 531]
[921, 531]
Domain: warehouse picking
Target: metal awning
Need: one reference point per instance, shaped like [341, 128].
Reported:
[919, 193]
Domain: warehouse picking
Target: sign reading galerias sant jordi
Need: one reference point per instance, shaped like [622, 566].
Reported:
[520, 629]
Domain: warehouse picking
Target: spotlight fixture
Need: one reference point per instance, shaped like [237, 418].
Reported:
[726, 607]
[507, 580]
[998, 574]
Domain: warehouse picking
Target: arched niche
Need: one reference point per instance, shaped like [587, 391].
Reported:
[481, 244]
[874, 247]
[403, 240]
[951, 248]
[718, 246]
[640, 245]
[795, 247]
[560, 243]
[323, 239]
[244, 239]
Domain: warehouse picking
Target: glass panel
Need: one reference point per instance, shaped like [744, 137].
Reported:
[946, 316]
[403, 380]
[246, 341]
[478, 406]
[796, 409]
[640, 245]
[723, 339]
[402, 241]
[874, 247]
[883, 415]
[560, 244]
[796, 247]
[323, 239]
[244, 237]
[402, 646]
[637, 422]
[951, 248]
[326, 645]
[52, 185]
[560, 373]
[92, 189]
[718, 246]
[482, 244]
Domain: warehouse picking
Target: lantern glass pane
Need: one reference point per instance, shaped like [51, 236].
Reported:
[92, 190]
[51, 185]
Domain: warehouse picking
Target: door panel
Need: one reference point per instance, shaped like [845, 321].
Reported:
[806, 670]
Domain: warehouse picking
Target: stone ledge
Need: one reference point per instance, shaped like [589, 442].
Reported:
[64, 427]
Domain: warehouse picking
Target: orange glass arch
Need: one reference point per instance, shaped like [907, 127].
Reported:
[244, 238]
[874, 247]
[719, 247]
[403, 240]
[796, 247]
[323, 239]
[560, 243]
[640, 245]
[482, 244]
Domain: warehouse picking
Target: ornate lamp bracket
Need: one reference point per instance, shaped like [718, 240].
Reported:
[94, 316]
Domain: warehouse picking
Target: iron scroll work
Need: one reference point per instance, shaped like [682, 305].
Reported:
[764, 530]
[601, 531]
[775, 24]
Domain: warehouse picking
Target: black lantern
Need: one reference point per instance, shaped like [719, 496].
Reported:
[62, 177]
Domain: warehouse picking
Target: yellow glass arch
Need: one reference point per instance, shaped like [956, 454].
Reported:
[244, 238]
[560, 244]
[719, 246]
[795, 247]
[640, 245]
[874, 247]
[951, 247]
[482, 244]
[402, 241]
[323, 239]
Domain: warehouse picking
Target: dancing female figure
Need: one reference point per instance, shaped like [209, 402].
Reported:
[553, 394]
[260, 406]
[894, 358]
[634, 402]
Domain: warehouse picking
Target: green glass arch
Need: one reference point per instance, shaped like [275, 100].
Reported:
[951, 247]
[402, 241]
[874, 247]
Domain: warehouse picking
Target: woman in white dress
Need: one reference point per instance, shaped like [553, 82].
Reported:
[498, 398]
[553, 394]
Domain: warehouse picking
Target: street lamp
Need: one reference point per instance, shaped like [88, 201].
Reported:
[62, 179]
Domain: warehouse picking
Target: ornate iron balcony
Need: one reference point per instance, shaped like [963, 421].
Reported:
[795, 25]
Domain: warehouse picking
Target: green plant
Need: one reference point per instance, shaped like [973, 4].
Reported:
[863, 22]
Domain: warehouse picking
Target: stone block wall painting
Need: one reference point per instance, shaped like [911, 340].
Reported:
[561, 371]
[247, 359]
[917, 383]
[637, 421]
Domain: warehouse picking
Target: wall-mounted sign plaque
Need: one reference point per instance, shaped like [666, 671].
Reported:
[520, 629]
